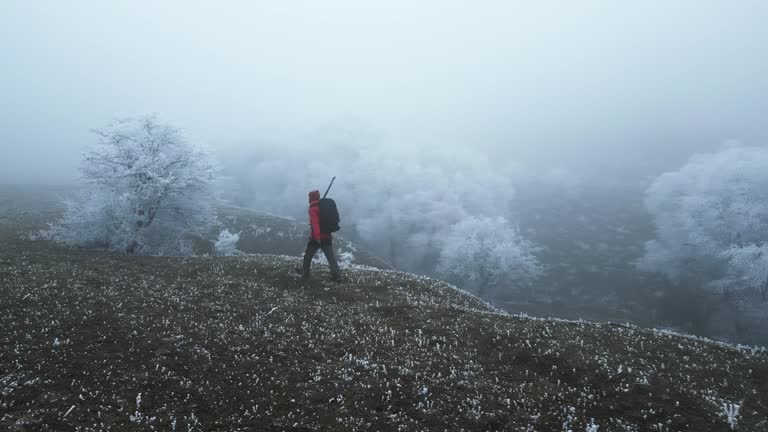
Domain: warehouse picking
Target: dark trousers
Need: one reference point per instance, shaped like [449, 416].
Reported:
[327, 247]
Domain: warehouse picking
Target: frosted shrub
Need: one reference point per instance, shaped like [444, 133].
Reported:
[226, 244]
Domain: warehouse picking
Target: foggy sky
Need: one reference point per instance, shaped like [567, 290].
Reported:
[600, 88]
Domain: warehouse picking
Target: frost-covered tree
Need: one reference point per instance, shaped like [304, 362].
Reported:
[226, 243]
[481, 253]
[711, 220]
[148, 191]
[399, 199]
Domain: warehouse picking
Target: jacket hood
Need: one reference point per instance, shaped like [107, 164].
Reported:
[314, 196]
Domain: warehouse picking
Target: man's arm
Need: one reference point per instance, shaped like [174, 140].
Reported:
[314, 221]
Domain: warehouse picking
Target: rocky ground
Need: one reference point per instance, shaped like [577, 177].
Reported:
[96, 341]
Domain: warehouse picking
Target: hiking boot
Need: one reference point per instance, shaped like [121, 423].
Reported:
[336, 277]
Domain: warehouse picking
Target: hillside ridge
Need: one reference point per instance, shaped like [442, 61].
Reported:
[106, 341]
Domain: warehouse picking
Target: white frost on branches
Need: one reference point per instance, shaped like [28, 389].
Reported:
[484, 252]
[711, 221]
[226, 244]
[149, 191]
[731, 413]
[400, 201]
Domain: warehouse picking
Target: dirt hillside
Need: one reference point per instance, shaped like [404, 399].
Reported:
[97, 341]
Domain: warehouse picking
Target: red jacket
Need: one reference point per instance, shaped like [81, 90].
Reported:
[314, 218]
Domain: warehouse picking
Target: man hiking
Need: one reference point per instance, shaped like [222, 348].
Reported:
[319, 239]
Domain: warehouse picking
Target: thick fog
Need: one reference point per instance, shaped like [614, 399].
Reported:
[516, 149]
[600, 89]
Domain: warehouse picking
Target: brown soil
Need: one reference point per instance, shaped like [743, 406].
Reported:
[237, 344]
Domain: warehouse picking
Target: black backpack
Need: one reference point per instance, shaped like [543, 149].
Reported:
[329, 215]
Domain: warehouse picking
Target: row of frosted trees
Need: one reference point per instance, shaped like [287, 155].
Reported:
[149, 191]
